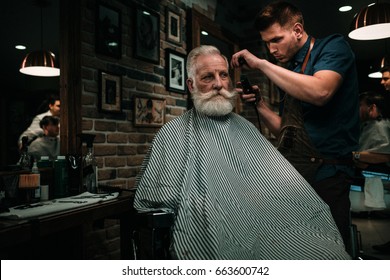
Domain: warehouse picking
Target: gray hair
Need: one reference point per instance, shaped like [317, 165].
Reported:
[198, 51]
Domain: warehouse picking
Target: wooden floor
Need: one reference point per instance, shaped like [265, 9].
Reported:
[374, 229]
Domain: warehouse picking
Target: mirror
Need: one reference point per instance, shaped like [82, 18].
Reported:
[22, 94]
[36, 27]
[217, 36]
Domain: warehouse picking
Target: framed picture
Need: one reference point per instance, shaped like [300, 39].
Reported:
[149, 111]
[110, 92]
[108, 33]
[173, 24]
[147, 39]
[175, 71]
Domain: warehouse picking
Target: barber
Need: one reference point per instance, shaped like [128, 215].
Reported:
[318, 126]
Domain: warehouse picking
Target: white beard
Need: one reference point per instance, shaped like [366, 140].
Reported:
[214, 103]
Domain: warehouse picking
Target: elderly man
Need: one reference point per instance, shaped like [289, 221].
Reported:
[233, 195]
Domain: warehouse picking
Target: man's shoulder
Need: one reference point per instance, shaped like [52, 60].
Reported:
[42, 115]
[176, 124]
[334, 40]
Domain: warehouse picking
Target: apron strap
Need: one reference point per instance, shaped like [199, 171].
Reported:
[312, 40]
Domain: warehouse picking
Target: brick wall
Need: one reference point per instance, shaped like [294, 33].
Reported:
[119, 145]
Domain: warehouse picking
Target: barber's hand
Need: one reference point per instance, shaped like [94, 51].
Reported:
[244, 57]
[250, 97]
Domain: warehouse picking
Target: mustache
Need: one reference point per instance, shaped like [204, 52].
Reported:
[222, 92]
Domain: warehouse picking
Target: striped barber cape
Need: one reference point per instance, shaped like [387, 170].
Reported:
[233, 195]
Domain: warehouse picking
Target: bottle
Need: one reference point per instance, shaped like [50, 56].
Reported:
[25, 159]
[47, 174]
[90, 172]
[90, 169]
[60, 177]
[44, 162]
[35, 170]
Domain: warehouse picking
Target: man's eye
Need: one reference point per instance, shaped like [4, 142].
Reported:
[224, 75]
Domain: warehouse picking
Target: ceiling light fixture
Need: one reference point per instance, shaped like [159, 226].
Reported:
[40, 63]
[378, 74]
[371, 23]
[345, 8]
[20, 47]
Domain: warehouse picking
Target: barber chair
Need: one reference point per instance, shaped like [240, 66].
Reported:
[151, 235]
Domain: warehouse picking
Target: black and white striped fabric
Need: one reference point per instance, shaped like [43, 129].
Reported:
[233, 194]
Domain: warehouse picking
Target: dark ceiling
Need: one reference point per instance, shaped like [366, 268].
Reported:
[20, 24]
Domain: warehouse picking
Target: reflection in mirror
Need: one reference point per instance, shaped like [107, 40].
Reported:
[22, 96]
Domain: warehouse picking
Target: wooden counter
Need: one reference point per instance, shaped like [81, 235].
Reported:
[62, 235]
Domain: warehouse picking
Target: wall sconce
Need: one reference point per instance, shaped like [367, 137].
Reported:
[40, 63]
[371, 23]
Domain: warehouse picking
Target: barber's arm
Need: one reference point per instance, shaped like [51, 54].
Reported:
[365, 158]
[317, 89]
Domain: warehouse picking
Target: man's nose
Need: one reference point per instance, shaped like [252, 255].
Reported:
[271, 47]
[217, 83]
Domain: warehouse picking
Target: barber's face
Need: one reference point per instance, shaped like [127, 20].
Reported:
[55, 108]
[283, 42]
[386, 80]
[211, 87]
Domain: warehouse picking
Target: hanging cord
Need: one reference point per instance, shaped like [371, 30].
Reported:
[247, 88]
[257, 112]
[41, 28]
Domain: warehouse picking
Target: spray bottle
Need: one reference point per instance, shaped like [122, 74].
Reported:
[25, 159]
[90, 172]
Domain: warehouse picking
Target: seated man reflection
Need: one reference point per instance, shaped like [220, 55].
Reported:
[233, 195]
[49, 143]
[34, 130]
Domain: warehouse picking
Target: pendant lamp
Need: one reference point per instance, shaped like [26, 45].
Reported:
[42, 62]
[371, 23]
[378, 74]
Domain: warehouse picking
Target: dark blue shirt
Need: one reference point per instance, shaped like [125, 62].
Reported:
[334, 127]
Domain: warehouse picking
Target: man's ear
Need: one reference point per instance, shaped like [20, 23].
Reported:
[190, 84]
[298, 30]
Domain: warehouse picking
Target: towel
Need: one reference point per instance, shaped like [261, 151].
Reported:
[56, 205]
[374, 193]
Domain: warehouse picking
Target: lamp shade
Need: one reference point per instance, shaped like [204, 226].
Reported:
[384, 64]
[40, 63]
[371, 23]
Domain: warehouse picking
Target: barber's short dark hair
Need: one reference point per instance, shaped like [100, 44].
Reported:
[385, 68]
[53, 98]
[49, 120]
[279, 12]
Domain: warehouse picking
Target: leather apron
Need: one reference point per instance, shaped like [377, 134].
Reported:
[294, 142]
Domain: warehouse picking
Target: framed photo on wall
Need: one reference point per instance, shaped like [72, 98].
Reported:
[147, 39]
[110, 99]
[108, 32]
[175, 71]
[149, 111]
[173, 24]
